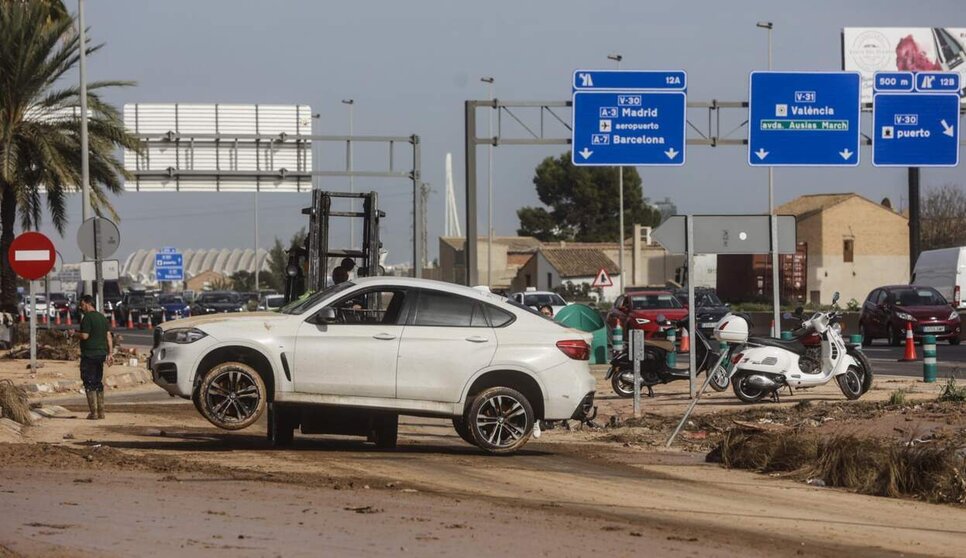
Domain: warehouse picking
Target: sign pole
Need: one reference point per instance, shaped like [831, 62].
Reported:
[33, 329]
[914, 230]
[98, 272]
[689, 225]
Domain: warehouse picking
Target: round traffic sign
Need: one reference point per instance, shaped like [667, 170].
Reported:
[32, 255]
[98, 238]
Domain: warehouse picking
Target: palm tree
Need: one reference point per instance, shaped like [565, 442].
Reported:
[40, 158]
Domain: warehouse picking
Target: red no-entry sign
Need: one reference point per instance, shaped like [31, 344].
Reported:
[32, 255]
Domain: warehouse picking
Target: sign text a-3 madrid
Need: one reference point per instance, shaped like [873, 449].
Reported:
[629, 118]
[803, 119]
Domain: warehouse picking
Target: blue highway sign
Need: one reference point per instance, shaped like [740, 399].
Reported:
[803, 119]
[169, 265]
[894, 81]
[629, 118]
[918, 129]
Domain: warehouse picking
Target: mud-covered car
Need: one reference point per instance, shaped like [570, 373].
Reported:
[351, 358]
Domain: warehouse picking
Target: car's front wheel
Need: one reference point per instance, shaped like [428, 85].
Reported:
[500, 420]
[232, 396]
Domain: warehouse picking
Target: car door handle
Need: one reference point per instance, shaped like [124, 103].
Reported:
[477, 339]
[384, 336]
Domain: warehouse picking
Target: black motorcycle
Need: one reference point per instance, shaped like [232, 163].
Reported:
[655, 369]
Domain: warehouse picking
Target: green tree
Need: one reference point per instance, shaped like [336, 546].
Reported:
[40, 129]
[583, 203]
[278, 260]
[243, 281]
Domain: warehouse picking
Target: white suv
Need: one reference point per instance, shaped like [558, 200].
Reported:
[352, 358]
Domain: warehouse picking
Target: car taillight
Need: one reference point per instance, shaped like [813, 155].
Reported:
[737, 358]
[956, 293]
[577, 349]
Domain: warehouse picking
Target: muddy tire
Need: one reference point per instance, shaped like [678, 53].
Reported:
[385, 432]
[851, 383]
[746, 392]
[196, 399]
[459, 425]
[622, 387]
[232, 396]
[282, 423]
[500, 419]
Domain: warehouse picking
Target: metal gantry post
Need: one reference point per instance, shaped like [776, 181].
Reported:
[417, 211]
[914, 216]
[692, 360]
[469, 247]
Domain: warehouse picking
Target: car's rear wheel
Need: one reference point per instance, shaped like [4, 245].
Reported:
[385, 432]
[232, 396]
[954, 340]
[500, 420]
[281, 425]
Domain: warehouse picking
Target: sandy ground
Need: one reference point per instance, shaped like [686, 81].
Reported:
[155, 475]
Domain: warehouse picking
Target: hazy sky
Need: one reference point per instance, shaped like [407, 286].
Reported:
[410, 65]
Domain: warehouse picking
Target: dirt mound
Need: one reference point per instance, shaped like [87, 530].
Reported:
[51, 345]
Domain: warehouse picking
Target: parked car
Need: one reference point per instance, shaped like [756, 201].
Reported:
[945, 271]
[887, 311]
[40, 303]
[640, 309]
[351, 358]
[217, 302]
[59, 304]
[174, 306]
[708, 308]
[139, 306]
[271, 302]
[536, 299]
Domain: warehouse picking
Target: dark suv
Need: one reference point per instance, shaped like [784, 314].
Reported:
[708, 308]
[888, 310]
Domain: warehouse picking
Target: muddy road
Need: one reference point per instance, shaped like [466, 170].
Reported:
[155, 475]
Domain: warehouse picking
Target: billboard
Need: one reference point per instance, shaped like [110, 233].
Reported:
[910, 49]
[219, 147]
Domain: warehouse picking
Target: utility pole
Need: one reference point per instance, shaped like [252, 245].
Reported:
[772, 221]
[489, 188]
[620, 201]
[85, 160]
[351, 103]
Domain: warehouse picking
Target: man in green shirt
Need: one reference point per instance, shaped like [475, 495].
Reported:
[96, 347]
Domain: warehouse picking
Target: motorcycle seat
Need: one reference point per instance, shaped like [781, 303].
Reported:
[791, 345]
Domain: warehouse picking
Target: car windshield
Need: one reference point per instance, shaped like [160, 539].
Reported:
[707, 299]
[274, 301]
[216, 298]
[56, 297]
[309, 300]
[171, 299]
[918, 297]
[654, 301]
[543, 299]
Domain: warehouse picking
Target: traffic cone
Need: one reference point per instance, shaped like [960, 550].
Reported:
[164, 316]
[44, 319]
[910, 345]
[130, 321]
[685, 341]
[150, 322]
[70, 321]
[57, 319]
[23, 315]
[113, 321]
[771, 329]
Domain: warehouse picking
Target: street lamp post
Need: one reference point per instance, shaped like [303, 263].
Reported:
[489, 187]
[772, 222]
[620, 200]
[351, 103]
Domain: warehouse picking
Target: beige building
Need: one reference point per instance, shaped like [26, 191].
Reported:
[555, 264]
[509, 254]
[854, 245]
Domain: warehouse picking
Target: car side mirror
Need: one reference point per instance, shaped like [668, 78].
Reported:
[325, 316]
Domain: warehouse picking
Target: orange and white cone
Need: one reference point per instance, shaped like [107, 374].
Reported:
[685, 341]
[23, 315]
[113, 321]
[57, 318]
[910, 345]
[70, 321]
[130, 321]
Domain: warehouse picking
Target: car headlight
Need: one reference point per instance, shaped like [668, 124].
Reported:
[954, 315]
[904, 316]
[183, 336]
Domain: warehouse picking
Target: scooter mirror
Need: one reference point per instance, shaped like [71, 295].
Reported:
[835, 297]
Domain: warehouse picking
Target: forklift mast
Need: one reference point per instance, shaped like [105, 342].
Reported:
[318, 249]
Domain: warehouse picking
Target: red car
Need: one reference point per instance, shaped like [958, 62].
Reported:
[887, 311]
[640, 310]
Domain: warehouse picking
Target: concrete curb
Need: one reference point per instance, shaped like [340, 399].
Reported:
[135, 377]
[10, 429]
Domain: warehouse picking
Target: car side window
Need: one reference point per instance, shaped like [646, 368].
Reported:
[377, 306]
[448, 310]
[883, 295]
[497, 317]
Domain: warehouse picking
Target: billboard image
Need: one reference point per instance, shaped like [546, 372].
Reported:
[911, 49]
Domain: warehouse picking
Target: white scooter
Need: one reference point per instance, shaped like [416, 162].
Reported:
[763, 365]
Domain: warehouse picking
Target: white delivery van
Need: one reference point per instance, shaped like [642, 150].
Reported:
[945, 271]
